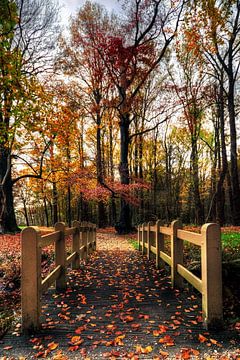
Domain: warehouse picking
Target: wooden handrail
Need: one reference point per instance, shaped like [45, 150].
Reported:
[46, 240]
[32, 286]
[151, 239]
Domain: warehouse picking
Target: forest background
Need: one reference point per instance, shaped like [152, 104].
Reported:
[122, 119]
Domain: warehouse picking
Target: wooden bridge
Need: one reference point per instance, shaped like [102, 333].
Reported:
[118, 304]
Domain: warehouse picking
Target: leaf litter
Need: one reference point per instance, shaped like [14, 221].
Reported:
[118, 305]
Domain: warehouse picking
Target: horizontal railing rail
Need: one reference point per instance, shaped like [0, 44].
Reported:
[32, 284]
[151, 240]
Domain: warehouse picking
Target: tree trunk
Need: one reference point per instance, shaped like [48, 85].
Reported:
[233, 147]
[113, 214]
[7, 215]
[69, 210]
[198, 207]
[125, 220]
[55, 204]
[25, 212]
[155, 174]
[101, 207]
[46, 211]
[220, 193]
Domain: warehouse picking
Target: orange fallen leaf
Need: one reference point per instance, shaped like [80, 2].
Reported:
[167, 340]
[162, 328]
[39, 354]
[164, 354]
[143, 350]
[52, 346]
[202, 338]
[73, 348]
[111, 327]
[194, 322]
[76, 340]
[135, 326]
[195, 352]
[213, 341]
[128, 319]
[59, 356]
[185, 354]
[80, 329]
[118, 340]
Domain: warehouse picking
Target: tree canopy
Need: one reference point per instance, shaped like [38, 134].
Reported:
[122, 119]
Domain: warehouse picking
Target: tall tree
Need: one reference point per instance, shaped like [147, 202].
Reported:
[217, 35]
[130, 57]
[80, 59]
[25, 34]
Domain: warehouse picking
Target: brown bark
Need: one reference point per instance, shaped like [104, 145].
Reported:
[7, 215]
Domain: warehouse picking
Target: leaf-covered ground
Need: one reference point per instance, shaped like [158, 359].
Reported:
[119, 306]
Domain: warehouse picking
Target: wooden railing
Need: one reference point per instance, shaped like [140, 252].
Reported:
[151, 239]
[32, 285]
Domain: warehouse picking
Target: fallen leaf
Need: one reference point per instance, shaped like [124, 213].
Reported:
[52, 346]
[76, 340]
[195, 352]
[213, 341]
[185, 354]
[73, 348]
[164, 354]
[202, 338]
[143, 350]
[167, 340]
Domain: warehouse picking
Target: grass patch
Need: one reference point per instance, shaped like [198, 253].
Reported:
[230, 239]
[134, 243]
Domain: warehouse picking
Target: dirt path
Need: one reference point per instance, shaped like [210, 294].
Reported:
[120, 306]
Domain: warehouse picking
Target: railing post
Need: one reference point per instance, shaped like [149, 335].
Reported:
[76, 245]
[95, 237]
[87, 240]
[176, 254]
[148, 240]
[150, 237]
[139, 237]
[84, 239]
[90, 238]
[144, 237]
[60, 257]
[211, 263]
[31, 279]
[159, 245]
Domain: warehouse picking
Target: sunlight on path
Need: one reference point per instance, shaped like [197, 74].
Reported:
[112, 242]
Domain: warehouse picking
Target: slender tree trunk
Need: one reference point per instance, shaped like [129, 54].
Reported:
[46, 211]
[155, 174]
[69, 209]
[101, 207]
[220, 193]
[233, 148]
[125, 219]
[113, 213]
[198, 207]
[55, 203]
[25, 212]
[140, 165]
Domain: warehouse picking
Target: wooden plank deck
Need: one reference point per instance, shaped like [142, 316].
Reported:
[117, 305]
